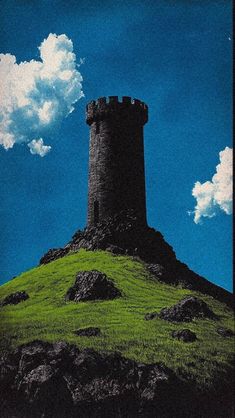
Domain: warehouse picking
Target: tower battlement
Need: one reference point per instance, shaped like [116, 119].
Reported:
[128, 108]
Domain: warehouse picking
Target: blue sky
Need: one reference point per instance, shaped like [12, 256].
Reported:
[175, 56]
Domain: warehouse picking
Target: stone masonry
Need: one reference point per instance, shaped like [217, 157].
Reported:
[116, 158]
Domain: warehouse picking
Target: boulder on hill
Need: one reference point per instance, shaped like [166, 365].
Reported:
[92, 285]
[184, 335]
[14, 298]
[186, 310]
[225, 332]
[88, 332]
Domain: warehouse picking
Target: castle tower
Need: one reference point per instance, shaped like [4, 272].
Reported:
[116, 158]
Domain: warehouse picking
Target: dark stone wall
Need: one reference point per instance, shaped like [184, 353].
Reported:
[116, 158]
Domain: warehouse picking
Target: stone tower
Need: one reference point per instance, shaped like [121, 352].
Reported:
[116, 158]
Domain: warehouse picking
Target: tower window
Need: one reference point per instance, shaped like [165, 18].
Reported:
[96, 212]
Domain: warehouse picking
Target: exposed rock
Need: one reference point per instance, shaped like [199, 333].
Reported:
[14, 298]
[184, 335]
[115, 249]
[61, 381]
[43, 380]
[120, 234]
[53, 254]
[123, 234]
[92, 285]
[225, 332]
[151, 315]
[88, 332]
[157, 270]
[186, 310]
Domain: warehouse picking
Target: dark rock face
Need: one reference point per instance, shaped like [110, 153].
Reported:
[14, 298]
[120, 234]
[53, 254]
[186, 310]
[225, 332]
[43, 380]
[115, 249]
[184, 335]
[158, 270]
[124, 234]
[88, 332]
[92, 285]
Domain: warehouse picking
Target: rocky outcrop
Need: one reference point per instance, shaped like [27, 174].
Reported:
[43, 380]
[225, 332]
[88, 332]
[178, 274]
[159, 271]
[54, 254]
[184, 335]
[123, 234]
[14, 298]
[92, 285]
[186, 310]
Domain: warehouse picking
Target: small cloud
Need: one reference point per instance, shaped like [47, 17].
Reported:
[37, 146]
[37, 95]
[216, 194]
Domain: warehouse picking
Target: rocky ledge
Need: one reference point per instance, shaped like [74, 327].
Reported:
[14, 298]
[123, 234]
[59, 381]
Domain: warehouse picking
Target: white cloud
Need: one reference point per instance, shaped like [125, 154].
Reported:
[37, 146]
[217, 193]
[36, 95]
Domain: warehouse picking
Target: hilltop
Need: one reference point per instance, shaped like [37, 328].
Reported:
[204, 365]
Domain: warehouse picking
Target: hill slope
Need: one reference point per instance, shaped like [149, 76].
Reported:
[47, 316]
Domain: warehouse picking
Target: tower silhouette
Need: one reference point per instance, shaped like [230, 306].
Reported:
[116, 158]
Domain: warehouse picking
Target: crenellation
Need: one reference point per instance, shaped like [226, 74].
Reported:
[133, 109]
[126, 100]
[101, 101]
[113, 99]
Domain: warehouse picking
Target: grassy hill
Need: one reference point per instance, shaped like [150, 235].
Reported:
[47, 316]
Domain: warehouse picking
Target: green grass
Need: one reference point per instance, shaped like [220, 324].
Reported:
[46, 315]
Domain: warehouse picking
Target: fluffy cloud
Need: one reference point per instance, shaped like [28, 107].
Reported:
[217, 193]
[36, 95]
[37, 146]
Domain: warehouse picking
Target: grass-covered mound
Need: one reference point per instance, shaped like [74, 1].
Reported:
[47, 316]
